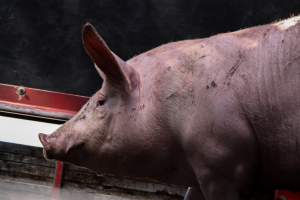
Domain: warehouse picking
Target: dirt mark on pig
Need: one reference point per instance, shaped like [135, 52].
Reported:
[188, 62]
[234, 68]
[213, 84]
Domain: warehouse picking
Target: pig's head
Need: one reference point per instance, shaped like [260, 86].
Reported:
[81, 139]
[117, 131]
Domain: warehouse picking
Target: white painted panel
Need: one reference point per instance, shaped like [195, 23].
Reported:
[23, 131]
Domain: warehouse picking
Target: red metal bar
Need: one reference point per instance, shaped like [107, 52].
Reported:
[57, 180]
[39, 102]
[58, 174]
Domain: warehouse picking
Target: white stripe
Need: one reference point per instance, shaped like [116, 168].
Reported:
[23, 131]
[286, 24]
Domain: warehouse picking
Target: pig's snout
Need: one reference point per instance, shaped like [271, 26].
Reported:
[56, 146]
[44, 140]
[46, 144]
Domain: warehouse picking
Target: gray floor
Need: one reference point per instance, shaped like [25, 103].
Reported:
[11, 189]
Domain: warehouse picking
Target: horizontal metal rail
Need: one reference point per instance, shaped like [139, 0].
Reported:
[41, 104]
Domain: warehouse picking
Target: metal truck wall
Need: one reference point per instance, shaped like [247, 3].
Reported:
[40, 41]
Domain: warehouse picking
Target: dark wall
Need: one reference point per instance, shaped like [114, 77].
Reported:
[40, 41]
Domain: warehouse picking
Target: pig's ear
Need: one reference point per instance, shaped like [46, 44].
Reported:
[110, 67]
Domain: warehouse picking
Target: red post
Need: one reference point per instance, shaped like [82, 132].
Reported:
[57, 180]
[58, 174]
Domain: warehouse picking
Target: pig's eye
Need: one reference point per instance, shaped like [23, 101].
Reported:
[101, 102]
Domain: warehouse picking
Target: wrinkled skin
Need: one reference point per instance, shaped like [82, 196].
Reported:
[219, 114]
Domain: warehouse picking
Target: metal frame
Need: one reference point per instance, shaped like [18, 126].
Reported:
[36, 104]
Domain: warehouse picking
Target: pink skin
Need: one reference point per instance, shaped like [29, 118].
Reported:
[211, 113]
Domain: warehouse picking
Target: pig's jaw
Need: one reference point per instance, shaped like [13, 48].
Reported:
[46, 156]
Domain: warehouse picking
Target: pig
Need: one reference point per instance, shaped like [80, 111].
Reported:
[219, 114]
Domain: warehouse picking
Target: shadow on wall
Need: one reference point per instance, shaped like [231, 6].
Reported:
[40, 41]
